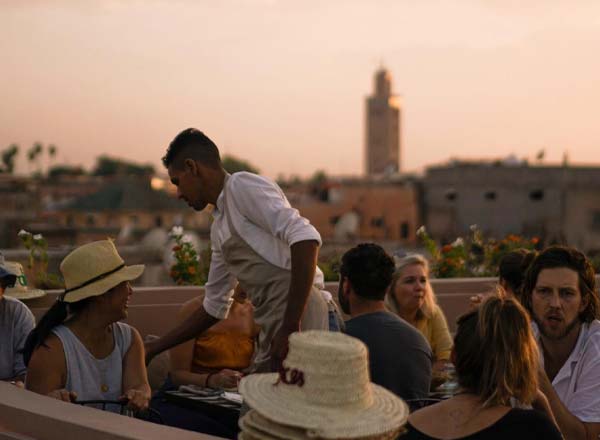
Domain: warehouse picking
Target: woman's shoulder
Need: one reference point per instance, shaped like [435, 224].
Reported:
[534, 424]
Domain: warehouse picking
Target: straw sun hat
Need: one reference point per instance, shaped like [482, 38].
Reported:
[21, 289]
[324, 388]
[93, 269]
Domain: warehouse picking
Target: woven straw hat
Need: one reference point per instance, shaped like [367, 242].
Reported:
[20, 290]
[94, 269]
[258, 427]
[325, 389]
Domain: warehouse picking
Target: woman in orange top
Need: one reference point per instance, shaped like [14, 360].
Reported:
[217, 357]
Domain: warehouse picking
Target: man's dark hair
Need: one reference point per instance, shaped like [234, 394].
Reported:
[369, 269]
[570, 258]
[191, 144]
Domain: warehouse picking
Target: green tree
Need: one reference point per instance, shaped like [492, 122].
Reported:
[65, 170]
[108, 166]
[233, 165]
[8, 158]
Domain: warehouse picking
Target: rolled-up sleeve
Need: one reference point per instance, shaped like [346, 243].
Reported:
[265, 204]
[219, 288]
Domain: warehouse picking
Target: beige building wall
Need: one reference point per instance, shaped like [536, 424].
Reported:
[385, 211]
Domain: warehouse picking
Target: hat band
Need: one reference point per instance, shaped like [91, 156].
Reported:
[93, 280]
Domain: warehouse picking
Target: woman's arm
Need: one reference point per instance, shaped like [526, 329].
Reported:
[135, 377]
[441, 339]
[47, 371]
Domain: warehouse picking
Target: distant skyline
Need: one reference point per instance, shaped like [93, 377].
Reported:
[282, 84]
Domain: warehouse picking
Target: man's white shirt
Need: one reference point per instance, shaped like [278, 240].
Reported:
[578, 381]
[260, 214]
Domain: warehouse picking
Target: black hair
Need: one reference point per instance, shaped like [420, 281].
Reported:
[8, 281]
[369, 269]
[513, 266]
[55, 316]
[570, 258]
[191, 144]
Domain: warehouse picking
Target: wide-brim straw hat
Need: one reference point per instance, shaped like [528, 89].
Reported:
[324, 387]
[255, 426]
[93, 269]
[21, 289]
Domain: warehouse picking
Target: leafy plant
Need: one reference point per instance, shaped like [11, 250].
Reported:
[38, 261]
[188, 268]
[472, 255]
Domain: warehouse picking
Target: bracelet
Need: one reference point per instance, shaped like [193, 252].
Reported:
[208, 377]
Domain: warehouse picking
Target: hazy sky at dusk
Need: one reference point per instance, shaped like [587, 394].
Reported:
[282, 83]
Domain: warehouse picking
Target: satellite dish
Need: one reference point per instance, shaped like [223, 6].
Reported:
[347, 226]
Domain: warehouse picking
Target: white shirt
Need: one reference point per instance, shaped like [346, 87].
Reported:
[263, 217]
[578, 381]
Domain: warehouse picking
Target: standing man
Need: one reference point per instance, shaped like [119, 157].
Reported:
[258, 240]
[560, 293]
[400, 358]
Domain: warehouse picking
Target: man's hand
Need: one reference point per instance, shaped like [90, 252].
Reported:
[279, 347]
[136, 399]
[64, 395]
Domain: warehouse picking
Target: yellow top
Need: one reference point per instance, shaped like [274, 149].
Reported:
[215, 350]
[435, 330]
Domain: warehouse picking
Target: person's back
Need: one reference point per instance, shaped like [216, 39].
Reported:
[496, 361]
[516, 424]
[399, 356]
[16, 321]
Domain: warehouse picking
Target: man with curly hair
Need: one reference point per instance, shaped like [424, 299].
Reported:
[560, 293]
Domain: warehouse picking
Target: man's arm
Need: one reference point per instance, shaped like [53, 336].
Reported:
[185, 330]
[304, 262]
[571, 427]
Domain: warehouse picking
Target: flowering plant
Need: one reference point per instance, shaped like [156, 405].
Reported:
[187, 269]
[472, 255]
[37, 246]
[38, 261]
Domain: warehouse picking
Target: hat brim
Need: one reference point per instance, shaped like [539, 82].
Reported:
[387, 414]
[259, 427]
[97, 288]
[24, 294]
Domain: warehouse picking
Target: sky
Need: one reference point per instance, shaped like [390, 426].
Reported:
[282, 83]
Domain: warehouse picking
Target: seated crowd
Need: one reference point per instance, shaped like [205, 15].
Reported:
[527, 357]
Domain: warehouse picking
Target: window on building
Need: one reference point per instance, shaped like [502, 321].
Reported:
[377, 222]
[333, 220]
[536, 195]
[404, 229]
[490, 195]
[451, 194]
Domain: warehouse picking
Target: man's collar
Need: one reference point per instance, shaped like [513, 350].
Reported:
[221, 198]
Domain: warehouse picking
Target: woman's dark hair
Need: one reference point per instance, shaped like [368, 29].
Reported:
[495, 354]
[55, 316]
[512, 268]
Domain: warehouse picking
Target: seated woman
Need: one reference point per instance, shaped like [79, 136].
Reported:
[411, 297]
[79, 350]
[214, 359]
[496, 361]
[511, 273]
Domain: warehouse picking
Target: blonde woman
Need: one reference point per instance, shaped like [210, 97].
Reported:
[411, 297]
[496, 360]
